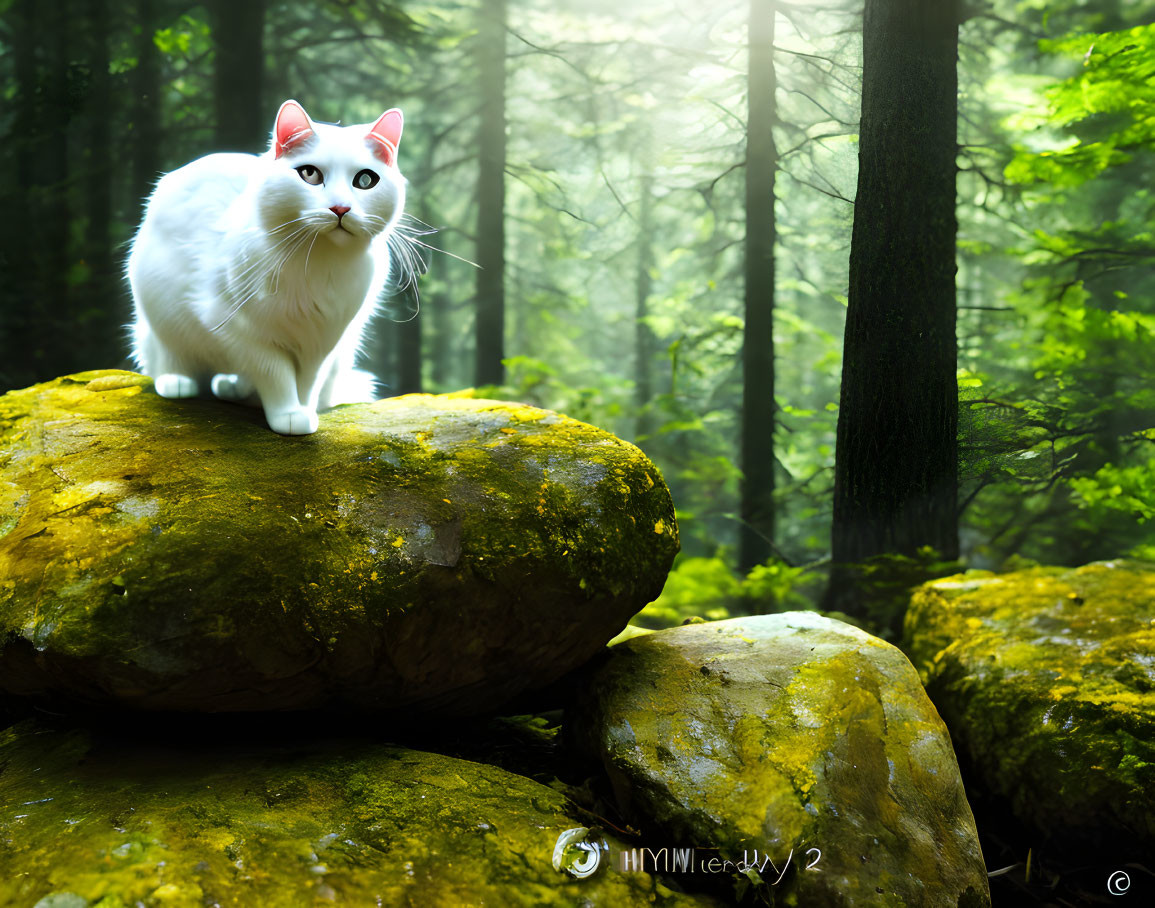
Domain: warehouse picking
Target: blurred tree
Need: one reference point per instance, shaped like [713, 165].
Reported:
[409, 354]
[897, 457]
[37, 295]
[643, 287]
[243, 123]
[99, 184]
[144, 127]
[442, 324]
[55, 177]
[409, 329]
[758, 405]
[490, 324]
[19, 307]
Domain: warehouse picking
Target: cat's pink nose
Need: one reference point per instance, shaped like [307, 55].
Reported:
[339, 210]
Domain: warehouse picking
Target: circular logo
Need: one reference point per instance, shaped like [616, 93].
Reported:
[575, 854]
[1118, 882]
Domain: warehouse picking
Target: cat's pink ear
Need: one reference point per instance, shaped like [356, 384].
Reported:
[293, 127]
[385, 135]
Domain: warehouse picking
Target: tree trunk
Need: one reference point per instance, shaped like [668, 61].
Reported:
[758, 409]
[896, 470]
[21, 306]
[146, 136]
[382, 359]
[99, 181]
[490, 325]
[441, 342]
[643, 336]
[28, 127]
[243, 124]
[54, 186]
[409, 356]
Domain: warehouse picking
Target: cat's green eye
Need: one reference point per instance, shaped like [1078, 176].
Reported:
[311, 175]
[366, 179]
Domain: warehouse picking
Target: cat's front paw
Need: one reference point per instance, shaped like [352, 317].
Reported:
[231, 387]
[293, 422]
[175, 386]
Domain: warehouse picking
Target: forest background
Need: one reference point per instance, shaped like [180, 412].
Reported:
[646, 212]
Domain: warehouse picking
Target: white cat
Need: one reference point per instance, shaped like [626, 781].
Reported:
[258, 274]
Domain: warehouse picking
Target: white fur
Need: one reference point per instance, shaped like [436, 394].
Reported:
[244, 284]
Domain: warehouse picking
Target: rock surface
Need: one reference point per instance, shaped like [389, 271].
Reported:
[86, 820]
[795, 736]
[416, 553]
[1046, 678]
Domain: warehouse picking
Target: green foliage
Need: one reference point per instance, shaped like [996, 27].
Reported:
[1106, 105]
[886, 582]
[1058, 401]
[188, 37]
[1128, 489]
[708, 588]
[536, 382]
[697, 587]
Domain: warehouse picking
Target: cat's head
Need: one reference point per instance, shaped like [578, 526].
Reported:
[337, 182]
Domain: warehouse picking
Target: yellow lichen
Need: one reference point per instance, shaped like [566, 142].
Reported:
[779, 734]
[1041, 673]
[353, 824]
[155, 507]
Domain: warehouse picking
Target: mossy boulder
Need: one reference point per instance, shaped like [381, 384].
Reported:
[1046, 678]
[87, 819]
[792, 737]
[424, 552]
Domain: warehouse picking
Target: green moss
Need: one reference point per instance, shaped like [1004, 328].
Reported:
[783, 733]
[106, 822]
[1047, 678]
[159, 537]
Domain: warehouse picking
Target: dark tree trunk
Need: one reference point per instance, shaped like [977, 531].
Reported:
[243, 124]
[643, 336]
[441, 342]
[27, 136]
[409, 355]
[98, 180]
[56, 176]
[21, 306]
[383, 360]
[896, 472]
[758, 409]
[145, 130]
[490, 325]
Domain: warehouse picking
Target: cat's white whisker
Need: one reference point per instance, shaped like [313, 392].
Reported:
[279, 268]
[248, 283]
[425, 228]
[310, 252]
[306, 217]
[411, 265]
[442, 251]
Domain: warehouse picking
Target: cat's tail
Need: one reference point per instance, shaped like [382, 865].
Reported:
[351, 386]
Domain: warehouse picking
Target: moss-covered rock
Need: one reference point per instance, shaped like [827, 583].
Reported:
[416, 553]
[1046, 678]
[798, 737]
[89, 821]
